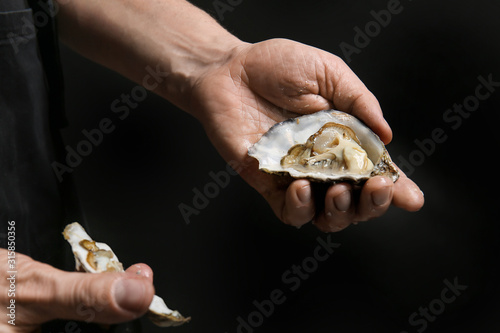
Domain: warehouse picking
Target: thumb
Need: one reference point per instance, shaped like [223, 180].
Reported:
[103, 298]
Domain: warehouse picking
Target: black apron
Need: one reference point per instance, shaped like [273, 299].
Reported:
[31, 113]
[29, 192]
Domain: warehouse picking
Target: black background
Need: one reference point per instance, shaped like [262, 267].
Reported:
[235, 251]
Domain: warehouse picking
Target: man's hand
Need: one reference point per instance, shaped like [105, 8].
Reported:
[238, 91]
[240, 100]
[44, 293]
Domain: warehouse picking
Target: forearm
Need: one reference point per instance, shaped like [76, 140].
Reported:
[128, 36]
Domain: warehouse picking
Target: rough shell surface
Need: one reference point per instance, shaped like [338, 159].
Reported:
[276, 143]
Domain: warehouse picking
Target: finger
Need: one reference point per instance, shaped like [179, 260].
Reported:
[339, 209]
[306, 102]
[298, 208]
[375, 198]
[288, 80]
[407, 195]
[103, 298]
[349, 94]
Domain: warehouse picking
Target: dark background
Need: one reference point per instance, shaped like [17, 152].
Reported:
[235, 251]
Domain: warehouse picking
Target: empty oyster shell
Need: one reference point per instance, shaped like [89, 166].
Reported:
[95, 257]
[326, 146]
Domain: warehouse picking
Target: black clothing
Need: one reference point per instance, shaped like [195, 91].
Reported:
[30, 194]
[31, 113]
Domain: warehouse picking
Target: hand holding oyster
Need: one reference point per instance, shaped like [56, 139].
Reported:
[265, 83]
[96, 257]
[337, 149]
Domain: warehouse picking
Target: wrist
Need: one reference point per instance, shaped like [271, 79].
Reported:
[191, 60]
[166, 45]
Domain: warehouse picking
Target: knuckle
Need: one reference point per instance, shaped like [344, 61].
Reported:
[87, 295]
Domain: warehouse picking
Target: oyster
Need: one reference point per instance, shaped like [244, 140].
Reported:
[95, 257]
[326, 146]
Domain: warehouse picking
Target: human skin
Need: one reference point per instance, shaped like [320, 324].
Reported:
[237, 91]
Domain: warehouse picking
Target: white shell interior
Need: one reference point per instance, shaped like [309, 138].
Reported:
[281, 137]
[158, 305]
[74, 234]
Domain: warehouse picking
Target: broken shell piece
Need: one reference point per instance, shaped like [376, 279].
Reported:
[326, 146]
[158, 311]
[95, 257]
[90, 256]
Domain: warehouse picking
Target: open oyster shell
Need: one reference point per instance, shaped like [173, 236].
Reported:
[326, 146]
[95, 257]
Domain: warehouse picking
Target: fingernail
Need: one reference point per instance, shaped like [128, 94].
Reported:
[304, 194]
[380, 197]
[343, 201]
[129, 294]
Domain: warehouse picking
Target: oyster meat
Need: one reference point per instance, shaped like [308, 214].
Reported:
[326, 146]
[96, 257]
